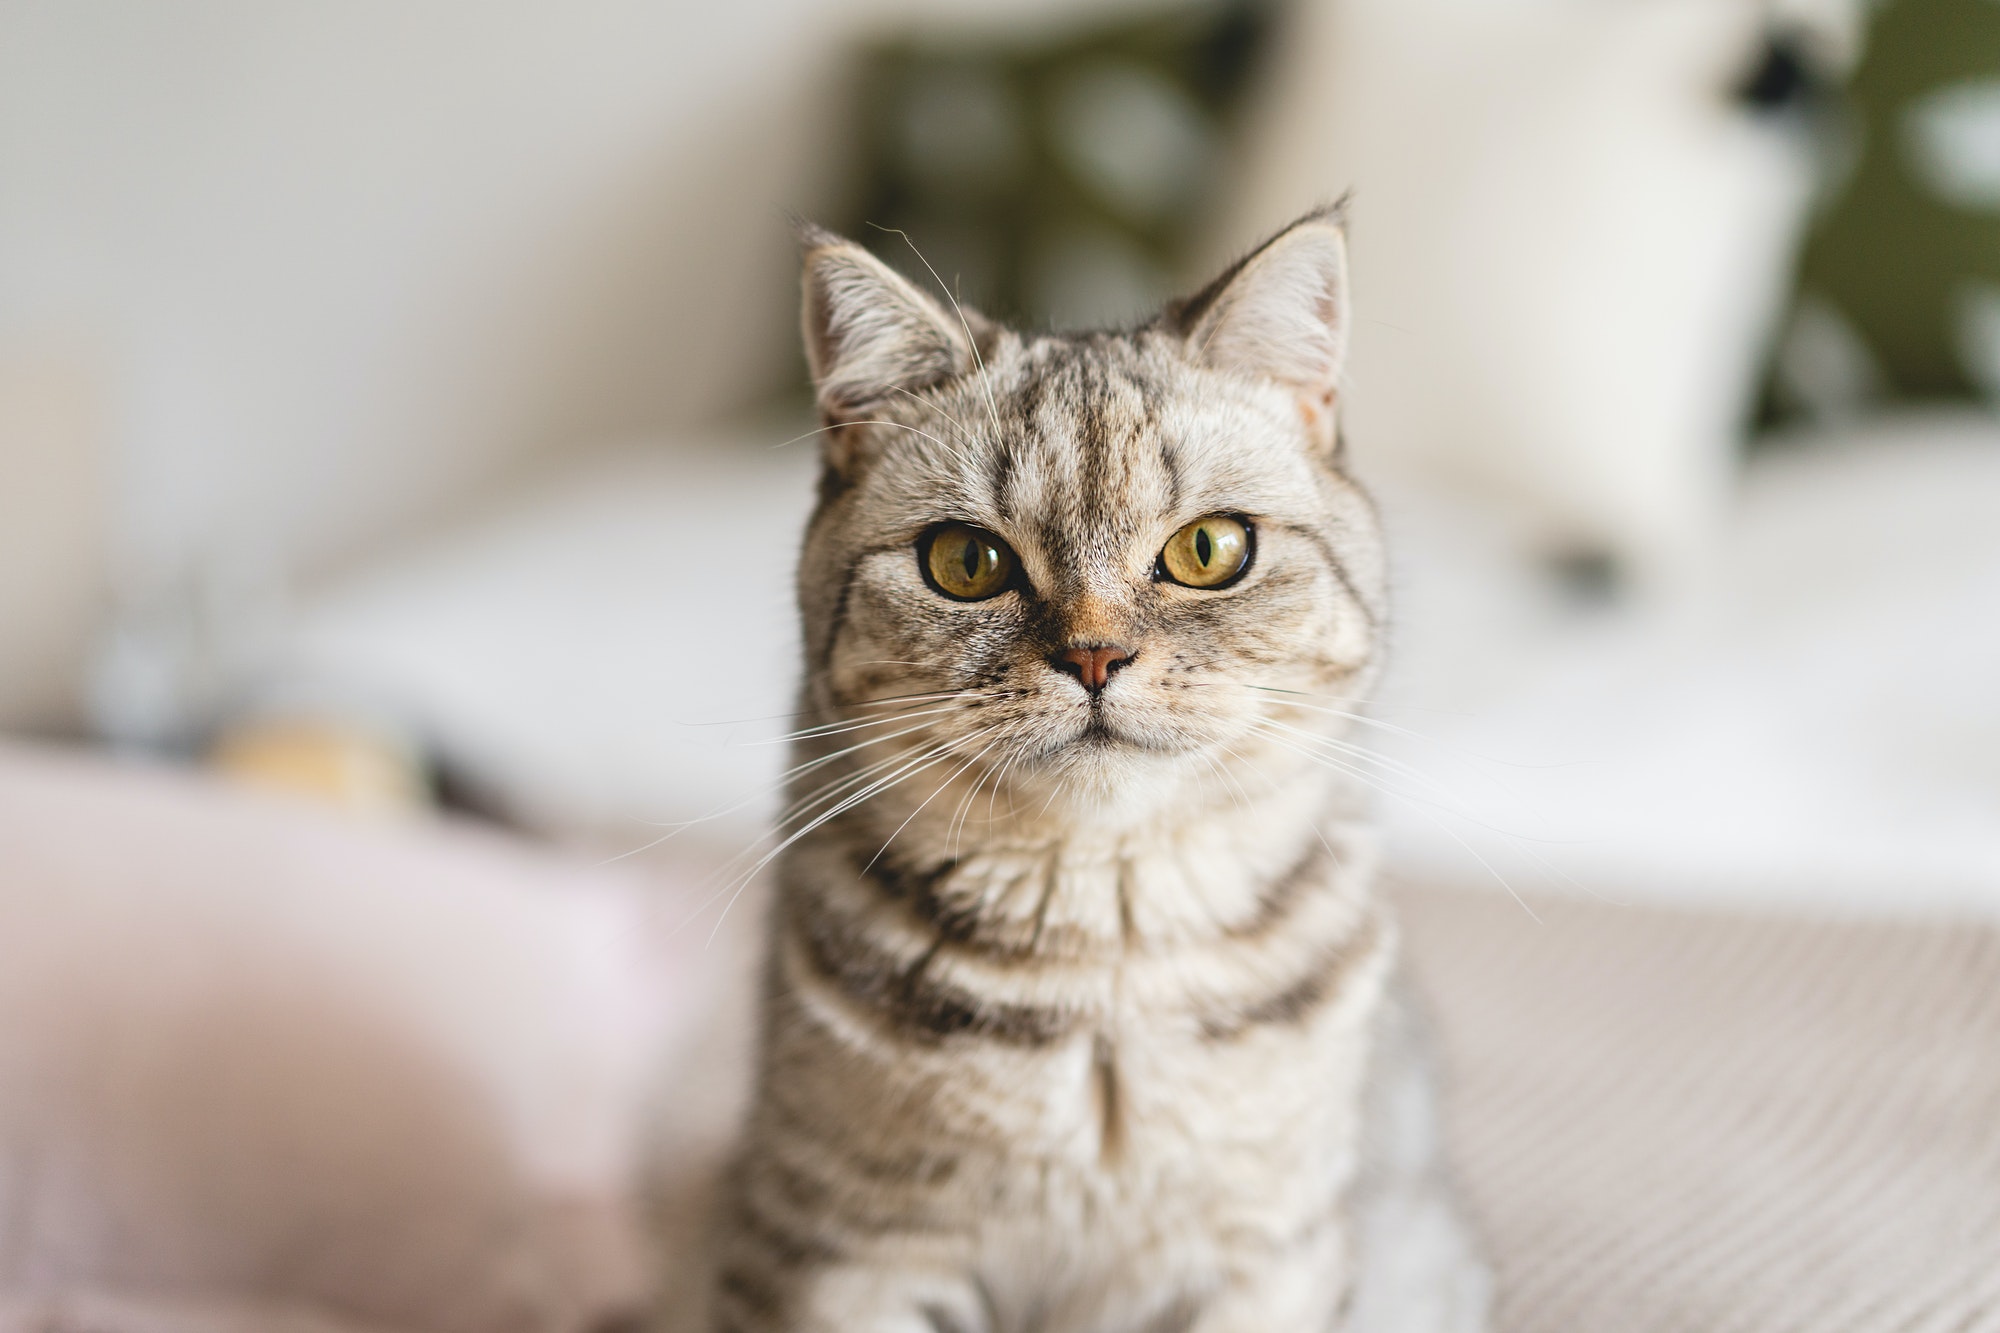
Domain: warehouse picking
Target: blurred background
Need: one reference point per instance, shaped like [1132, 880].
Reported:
[400, 413]
[408, 384]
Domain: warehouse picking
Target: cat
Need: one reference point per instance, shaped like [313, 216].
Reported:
[1080, 1014]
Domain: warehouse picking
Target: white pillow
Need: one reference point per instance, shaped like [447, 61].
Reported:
[1820, 732]
[608, 651]
[1569, 241]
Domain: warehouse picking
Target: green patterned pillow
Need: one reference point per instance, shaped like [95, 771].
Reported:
[1058, 181]
[1900, 281]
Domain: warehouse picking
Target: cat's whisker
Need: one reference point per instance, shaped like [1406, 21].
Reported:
[914, 708]
[828, 791]
[962, 770]
[841, 425]
[1057, 787]
[1359, 719]
[964, 454]
[985, 383]
[998, 776]
[738, 881]
[930, 405]
[1369, 781]
[1303, 694]
[1377, 781]
[832, 790]
[920, 696]
[677, 829]
[806, 802]
[1457, 809]
[1368, 720]
[1362, 719]
[1237, 793]
[1520, 841]
[888, 661]
[931, 696]
[956, 827]
[994, 795]
[826, 729]
[818, 796]
[1363, 754]
[902, 775]
[900, 715]
[648, 846]
[1450, 800]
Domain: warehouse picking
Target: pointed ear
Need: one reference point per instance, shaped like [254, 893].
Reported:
[868, 331]
[1281, 314]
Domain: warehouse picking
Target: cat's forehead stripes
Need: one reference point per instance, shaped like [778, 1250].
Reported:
[1087, 476]
[1091, 443]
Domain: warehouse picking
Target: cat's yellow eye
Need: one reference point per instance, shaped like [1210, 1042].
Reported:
[966, 562]
[1208, 552]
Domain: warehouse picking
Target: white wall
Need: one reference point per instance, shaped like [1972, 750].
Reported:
[338, 260]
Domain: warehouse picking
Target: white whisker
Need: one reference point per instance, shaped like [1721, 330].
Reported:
[920, 696]
[992, 407]
[1363, 754]
[838, 425]
[932, 797]
[956, 827]
[826, 729]
[1368, 780]
[963, 454]
[743, 879]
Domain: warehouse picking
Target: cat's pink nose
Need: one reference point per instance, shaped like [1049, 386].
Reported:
[1092, 663]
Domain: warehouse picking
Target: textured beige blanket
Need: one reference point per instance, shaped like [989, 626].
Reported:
[1714, 1124]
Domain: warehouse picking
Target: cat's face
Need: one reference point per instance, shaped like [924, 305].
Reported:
[1093, 561]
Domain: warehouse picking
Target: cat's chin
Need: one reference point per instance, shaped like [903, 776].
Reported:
[1105, 768]
[1103, 739]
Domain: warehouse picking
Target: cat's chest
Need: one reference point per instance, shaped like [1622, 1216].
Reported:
[1161, 1098]
[1135, 1148]
[1086, 1037]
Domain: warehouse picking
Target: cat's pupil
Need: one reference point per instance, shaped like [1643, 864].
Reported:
[972, 559]
[1204, 549]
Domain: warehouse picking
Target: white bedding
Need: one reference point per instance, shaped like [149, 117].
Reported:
[1817, 720]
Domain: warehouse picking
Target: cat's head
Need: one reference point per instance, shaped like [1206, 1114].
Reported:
[1089, 559]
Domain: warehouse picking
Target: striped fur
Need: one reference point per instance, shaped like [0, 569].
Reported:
[1070, 997]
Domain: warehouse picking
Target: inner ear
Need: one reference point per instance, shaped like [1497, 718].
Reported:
[869, 332]
[1281, 314]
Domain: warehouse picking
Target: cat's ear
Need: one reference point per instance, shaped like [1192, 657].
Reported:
[868, 331]
[1281, 313]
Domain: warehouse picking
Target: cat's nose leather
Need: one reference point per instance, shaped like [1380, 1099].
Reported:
[1092, 663]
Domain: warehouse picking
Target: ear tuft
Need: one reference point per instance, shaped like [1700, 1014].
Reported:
[868, 331]
[1281, 314]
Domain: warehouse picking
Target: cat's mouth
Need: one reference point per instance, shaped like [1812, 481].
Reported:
[1100, 734]
[1096, 735]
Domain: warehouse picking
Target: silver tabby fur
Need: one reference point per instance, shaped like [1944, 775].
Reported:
[1079, 1014]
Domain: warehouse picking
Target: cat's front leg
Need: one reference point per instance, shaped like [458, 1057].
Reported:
[849, 1298]
[1297, 1292]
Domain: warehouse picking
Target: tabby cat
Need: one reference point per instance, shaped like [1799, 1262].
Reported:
[1079, 1014]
